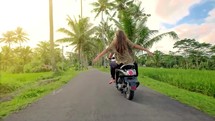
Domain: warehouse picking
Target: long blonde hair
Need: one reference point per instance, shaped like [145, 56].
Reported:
[121, 42]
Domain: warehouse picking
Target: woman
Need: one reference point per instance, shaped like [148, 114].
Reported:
[122, 47]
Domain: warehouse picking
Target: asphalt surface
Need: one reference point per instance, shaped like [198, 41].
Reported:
[89, 97]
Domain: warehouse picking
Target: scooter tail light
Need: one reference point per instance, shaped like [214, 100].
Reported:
[131, 72]
[133, 87]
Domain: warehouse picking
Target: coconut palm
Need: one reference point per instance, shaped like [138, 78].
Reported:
[81, 9]
[54, 67]
[108, 34]
[43, 52]
[78, 35]
[102, 6]
[8, 37]
[121, 5]
[22, 56]
[6, 59]
[20, 35]
[132, 19]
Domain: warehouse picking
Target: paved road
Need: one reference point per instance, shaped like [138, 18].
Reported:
[89, 97]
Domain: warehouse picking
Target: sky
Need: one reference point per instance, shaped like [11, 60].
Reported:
[193, 19]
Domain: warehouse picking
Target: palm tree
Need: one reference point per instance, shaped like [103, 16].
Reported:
[6, 57]
[157, 58]
[108, 32]
[22, 56]
[144, 36]
[8, 37]
[78, 35]
[20, 35]
[102, 6]
[132, 20]
[43, 52]
[121, 5]
[81, 9]
[54, 67]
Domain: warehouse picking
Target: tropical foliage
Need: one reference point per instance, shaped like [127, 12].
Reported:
[89, 39]
[190, 65]
[79, 35]
[191, 54]
[130, 17]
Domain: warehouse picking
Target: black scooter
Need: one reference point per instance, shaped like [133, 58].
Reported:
[127, 81]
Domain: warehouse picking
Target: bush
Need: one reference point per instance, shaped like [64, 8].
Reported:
[36, 66]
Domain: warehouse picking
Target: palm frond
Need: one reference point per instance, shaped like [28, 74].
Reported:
[64, 40]
[159, 37]
[66, 31]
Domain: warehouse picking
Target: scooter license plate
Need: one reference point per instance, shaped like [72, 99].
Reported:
[133, 87]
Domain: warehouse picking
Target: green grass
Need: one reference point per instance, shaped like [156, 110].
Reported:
[34, 92]
[199, 101]
[11, 82]
[201, 81]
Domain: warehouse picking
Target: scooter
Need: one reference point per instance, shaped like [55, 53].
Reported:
[127, 81]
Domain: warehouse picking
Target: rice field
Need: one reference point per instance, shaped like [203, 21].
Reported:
[11, 82]
[201, 81]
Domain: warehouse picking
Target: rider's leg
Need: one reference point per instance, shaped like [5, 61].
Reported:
[113, 66]
[117, 73]
[136, 67]
[112, 71]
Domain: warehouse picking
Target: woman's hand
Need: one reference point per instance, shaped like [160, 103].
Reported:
[96, 59]
[100, 55]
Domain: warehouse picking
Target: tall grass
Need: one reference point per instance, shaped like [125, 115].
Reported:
[11, 82]
[201, 81]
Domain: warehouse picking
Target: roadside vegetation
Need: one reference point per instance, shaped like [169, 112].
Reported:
[19, 90]
[12, 82]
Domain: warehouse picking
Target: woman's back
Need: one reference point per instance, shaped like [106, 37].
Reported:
[122, 48]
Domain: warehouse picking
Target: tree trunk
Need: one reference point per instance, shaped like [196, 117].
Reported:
[79, 63]
[54, 68]
[81, 9]
[103, 39]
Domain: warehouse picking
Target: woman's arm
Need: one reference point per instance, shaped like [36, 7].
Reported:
[142, 48]
[110, 55]
[104, 51]
[100, 55]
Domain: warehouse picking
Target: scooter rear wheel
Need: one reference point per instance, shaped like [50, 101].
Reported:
[129, 94]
